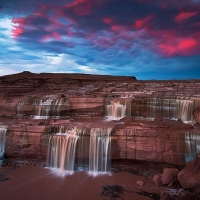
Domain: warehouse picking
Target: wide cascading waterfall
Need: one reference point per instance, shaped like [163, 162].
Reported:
[192, 146]
[61, 151]
[171, 107]
[44, 107]
[152, 106]
[161, 106]
[3, 130]
[89, 147]
[119, 108]
[98, 151]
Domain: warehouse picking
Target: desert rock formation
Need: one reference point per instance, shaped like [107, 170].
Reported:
[104, 118]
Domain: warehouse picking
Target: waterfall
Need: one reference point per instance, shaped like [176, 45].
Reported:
[153, 106]
[56, 107]
[20, 107]
[43, 108]
[61, 151]
[119, 108]
[192, 146]
[98, 152]
[3, 130]
[171, 107]
[184, 110]
[87, 146]
[82, 150]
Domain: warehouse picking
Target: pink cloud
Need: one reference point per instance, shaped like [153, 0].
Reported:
[17, 27]
[185, 15]
[182, 46]
[81, 7]
[141, 23]
[107, 20]
[115, 33]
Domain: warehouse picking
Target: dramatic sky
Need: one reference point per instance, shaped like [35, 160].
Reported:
[149, 39]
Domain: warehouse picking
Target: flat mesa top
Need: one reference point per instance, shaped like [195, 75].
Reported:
[27, 74]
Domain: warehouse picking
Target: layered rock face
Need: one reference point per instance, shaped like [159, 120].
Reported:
[44, 94]
[164, 141]
[35, 107]
[26, 142]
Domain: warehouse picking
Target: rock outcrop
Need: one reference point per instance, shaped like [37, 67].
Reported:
[157, 180]
[168, 175]
[133, 140]
[143, 115]
[44, 117]
[196, 114]
[189, 176]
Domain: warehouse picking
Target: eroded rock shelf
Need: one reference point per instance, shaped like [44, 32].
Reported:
[150, 120]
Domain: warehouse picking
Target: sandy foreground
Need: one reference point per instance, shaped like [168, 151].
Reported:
[35, 183]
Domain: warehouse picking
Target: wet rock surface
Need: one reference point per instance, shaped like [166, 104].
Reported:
[112, 192]
[118, 192]
[7, 167]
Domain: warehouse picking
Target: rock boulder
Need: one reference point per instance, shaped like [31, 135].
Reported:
[168, 175]
[157, 180]
[196, 114]
[189, 176]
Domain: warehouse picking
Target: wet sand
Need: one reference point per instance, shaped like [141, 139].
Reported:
[38, 183]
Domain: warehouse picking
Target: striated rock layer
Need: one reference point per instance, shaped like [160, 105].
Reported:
[160, 118]
[168, 141]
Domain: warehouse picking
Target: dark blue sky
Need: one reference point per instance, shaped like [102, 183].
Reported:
[149, 39]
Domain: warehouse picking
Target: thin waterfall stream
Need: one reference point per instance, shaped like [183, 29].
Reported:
[192, 146]
[3, 130]
[98, 153]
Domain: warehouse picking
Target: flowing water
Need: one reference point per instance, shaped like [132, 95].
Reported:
[170, 107]
[192, 146]
[3, 130]
[184, 110]
[43, 107]
[99, 146]
[89, 147]
[61, 152]
[118, 108]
